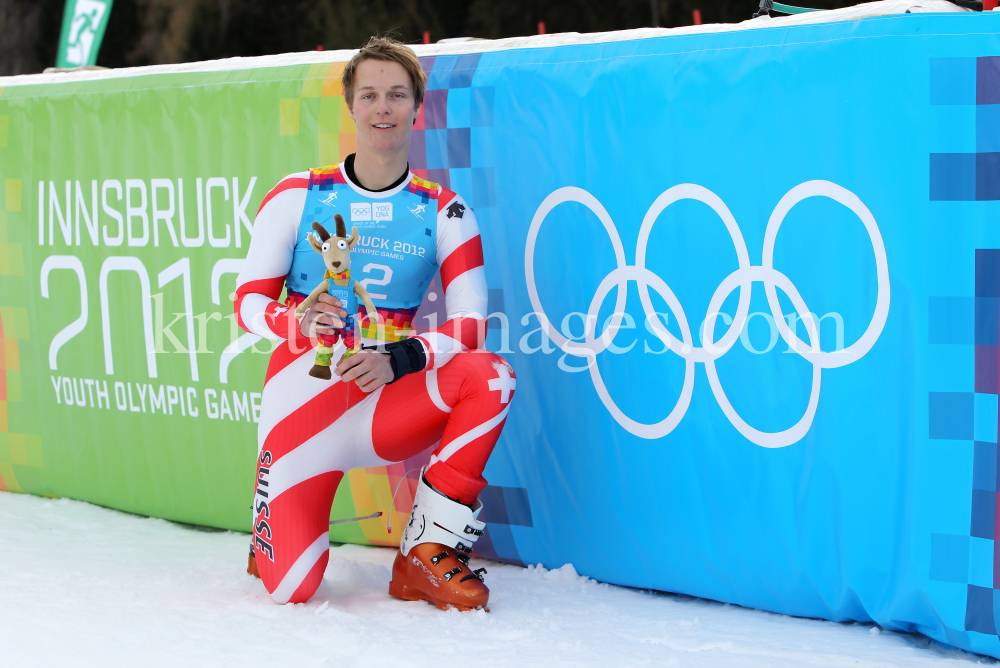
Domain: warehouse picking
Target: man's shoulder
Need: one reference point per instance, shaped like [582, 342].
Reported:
[295, 180]
[451, 206]
[291, 184]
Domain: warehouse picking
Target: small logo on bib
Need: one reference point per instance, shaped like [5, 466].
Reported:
[382, 210]
[361, 211]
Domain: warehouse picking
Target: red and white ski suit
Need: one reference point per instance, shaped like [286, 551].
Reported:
[312, 431]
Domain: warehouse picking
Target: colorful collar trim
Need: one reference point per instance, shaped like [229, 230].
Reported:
[339, 276]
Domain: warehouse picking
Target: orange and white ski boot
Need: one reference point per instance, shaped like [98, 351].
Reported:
[433, 559]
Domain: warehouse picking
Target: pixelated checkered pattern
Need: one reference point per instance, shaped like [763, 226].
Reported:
[971, 173]
[372, 490]
[971, 560]
[324, 178]
[16, 449]
[457, 116]
[20, 453]
[396, 325]
[320, 109]
[422, 187]
[966, 91]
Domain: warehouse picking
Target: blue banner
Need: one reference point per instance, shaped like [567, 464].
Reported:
[752, 288]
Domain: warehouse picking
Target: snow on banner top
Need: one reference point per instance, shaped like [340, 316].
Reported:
[867, 10]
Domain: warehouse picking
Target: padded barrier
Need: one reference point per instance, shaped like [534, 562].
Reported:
[841, 465]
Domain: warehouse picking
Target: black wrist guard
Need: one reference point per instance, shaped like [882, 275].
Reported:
[406, 356]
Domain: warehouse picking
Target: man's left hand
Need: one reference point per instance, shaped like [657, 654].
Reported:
[369, 368]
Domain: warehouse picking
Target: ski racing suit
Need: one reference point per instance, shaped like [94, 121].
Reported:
[312, 431]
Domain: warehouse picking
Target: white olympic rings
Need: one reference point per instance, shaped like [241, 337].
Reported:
[742, 278]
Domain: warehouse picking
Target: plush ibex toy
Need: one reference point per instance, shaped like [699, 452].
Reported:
[337, 281]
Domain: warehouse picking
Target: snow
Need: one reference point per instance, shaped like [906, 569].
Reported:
[88, 586]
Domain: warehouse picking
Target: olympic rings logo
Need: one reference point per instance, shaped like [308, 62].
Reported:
[743, 278]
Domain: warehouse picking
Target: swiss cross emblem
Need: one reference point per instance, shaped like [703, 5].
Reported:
[503, 383]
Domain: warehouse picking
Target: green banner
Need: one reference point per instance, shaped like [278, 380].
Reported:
[128, 204]
[84, 23]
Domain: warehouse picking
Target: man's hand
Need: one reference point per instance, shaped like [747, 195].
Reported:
[369, 368]
[324, 317]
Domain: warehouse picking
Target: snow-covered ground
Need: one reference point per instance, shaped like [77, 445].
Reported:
[86, 586]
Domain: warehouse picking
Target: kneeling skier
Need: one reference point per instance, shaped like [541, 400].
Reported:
[384, 405]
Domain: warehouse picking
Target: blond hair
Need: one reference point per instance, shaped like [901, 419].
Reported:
[389, 49]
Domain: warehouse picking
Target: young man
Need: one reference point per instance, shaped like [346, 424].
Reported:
[383, 404]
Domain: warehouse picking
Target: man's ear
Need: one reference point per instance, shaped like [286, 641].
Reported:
[354, 238]
[417, 113]
[350, 111]
[315, 243]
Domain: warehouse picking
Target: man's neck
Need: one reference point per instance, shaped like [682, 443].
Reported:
[376, 171]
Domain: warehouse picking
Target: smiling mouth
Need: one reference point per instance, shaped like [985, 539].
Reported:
[383, 126]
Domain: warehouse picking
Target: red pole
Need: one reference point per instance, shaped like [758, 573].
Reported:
[427, 37]
[989, 5]
[697, 17]
[541, 27]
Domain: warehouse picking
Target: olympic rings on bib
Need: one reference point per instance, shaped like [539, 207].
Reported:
[743, 279]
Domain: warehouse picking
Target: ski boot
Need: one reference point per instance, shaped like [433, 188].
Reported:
[433, 560]
[252, 565]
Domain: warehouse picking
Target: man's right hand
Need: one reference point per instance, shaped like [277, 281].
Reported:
[323, 317]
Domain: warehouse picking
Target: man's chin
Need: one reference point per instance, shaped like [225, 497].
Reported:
[386, 147]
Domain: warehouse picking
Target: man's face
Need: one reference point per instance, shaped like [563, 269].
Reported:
[383, 108]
